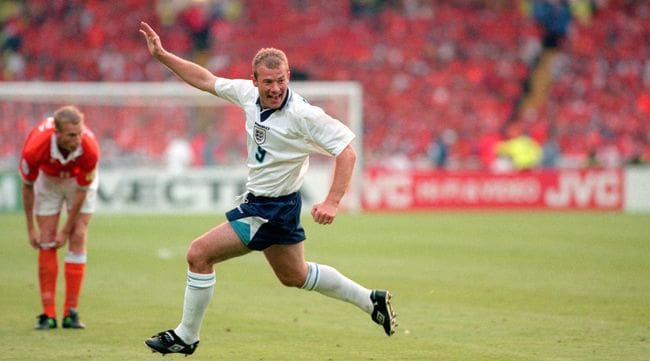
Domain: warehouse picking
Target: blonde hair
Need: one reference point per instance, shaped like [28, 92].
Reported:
[67, 114]
[271, 58]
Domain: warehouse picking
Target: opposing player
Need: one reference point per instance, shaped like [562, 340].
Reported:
[282, 130]
[59, 167]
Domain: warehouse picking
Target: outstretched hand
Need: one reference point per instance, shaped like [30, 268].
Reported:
[153, 40]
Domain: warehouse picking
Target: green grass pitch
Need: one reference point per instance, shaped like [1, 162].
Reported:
[467, 286]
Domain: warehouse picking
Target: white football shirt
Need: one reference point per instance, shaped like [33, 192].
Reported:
[279, 141]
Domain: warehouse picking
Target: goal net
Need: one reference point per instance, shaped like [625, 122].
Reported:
[139, 125]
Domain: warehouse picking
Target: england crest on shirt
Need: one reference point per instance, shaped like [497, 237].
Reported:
[259, 132]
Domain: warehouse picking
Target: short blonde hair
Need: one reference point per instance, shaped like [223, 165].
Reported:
[67, 114]
[272, 58]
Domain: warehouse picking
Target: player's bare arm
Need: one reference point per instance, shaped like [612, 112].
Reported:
[191, 73]
[325, 212]
[28, 205]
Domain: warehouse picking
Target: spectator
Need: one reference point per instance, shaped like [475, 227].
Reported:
[439, 149]
[554, 16]
[178, 155]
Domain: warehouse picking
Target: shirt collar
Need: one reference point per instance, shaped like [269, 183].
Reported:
[56, 153]
[266, 113]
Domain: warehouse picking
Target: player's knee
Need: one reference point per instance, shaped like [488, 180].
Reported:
[193, 255]
[78, 236]
[48, 236]
[197, 258]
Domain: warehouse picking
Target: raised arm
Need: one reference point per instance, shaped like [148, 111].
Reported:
[191, 73]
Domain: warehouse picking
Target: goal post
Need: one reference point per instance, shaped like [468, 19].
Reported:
[135, 121]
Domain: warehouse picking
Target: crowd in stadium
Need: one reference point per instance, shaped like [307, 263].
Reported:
[445, 82]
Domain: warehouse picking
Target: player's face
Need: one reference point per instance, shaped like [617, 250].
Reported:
[69, 137]
[272, 85]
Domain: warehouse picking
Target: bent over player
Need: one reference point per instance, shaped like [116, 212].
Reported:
[59, 166]
[282, 130]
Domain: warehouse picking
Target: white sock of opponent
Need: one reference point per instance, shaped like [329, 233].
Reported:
[330, 282]
[198, 294]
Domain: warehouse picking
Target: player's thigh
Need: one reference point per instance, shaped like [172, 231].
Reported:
[216, 245]
[47, 226]
[288, 263]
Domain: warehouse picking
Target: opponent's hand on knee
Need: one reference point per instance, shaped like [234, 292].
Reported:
[60, 239]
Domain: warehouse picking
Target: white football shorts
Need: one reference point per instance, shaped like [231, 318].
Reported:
[50, 193]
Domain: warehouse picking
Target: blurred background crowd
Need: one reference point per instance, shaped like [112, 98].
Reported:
[452, 84]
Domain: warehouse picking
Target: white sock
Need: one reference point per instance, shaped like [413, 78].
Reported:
[330, 282]
[198, 294]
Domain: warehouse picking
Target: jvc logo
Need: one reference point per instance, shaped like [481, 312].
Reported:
[393, 191]
[600, 189]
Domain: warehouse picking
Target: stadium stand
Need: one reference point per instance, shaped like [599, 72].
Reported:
[458, 76]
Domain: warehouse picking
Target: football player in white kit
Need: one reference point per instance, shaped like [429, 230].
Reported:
[282, 130]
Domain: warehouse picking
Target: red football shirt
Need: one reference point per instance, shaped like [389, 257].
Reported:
[41, 153]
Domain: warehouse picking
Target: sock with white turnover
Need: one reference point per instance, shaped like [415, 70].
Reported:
[198, 294]
[330, 282]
